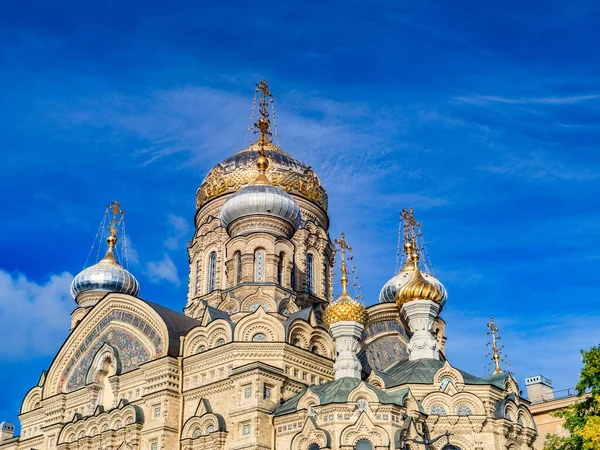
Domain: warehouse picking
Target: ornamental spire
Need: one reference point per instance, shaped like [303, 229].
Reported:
[344, 269]
[496, 351]
[263, 124]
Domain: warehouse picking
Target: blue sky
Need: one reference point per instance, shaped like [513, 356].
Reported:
[482, 116]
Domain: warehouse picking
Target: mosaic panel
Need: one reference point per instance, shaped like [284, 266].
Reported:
[114, 316]
[381, 327]
[131, 353]
[463, 410]
[383, 352]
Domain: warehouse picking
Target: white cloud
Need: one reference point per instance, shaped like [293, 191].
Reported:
[164, 270]
[34, 318]
[180, 229]
[555, 100]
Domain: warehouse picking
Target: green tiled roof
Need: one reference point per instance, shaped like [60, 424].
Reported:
[337, 392]
[422, 371]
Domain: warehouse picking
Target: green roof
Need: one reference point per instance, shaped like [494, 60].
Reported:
[337, 392]
[422, 371]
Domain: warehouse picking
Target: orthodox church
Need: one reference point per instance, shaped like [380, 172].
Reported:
[264, 357]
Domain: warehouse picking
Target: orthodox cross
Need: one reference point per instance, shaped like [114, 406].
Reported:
[344, 246]
[495, 337]
[263, 124]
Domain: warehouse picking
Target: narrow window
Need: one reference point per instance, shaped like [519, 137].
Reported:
[293, 276]
[212, 267]
[197, 285]
[280, 269]
[310, 282]
[238, 268]
[326, 280]
[259, 265]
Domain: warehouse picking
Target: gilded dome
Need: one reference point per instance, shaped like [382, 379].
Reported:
[421, 288]
[390, 289]
[285, 172]
[107, 275]
[345, 308]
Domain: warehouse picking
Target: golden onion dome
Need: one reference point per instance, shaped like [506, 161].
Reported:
[284, 172]
[345, 308]
[421, 288]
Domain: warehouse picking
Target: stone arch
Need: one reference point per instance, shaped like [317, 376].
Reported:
[437, 398]
[115, 311]
[310, 434]
[525, 418]
[32, 400]
[362, 391]
[252, 302]
[447, 371]
[309, 398]
[259, 322]
[217, 331]
[364, 428]
[468, 399]
[289, 304]
[105, 364]
[229, 305]
[321, 339]
[299, 332]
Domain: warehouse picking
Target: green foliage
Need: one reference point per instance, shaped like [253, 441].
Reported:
[582, 418]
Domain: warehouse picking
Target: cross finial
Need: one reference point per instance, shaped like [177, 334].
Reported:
[263, 124]
[495, 337]
[344, 246]
[115, 207]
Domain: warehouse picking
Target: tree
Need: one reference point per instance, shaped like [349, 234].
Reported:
[582, 418]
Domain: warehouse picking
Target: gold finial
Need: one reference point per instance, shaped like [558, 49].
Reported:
[111, 240]
[496, 351]
[344, 280]
[345, 308]
[263, 124]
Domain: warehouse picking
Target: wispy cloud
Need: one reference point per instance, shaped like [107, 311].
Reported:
[164, 270]
[558, 100]
[180, 230]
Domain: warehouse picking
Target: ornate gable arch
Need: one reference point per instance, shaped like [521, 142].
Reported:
[120, 320]
[259, 322]
[311, 434]
[364, 428]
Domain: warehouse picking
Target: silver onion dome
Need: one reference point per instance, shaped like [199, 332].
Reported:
[389, 290]
[107, 275]
[262, 199]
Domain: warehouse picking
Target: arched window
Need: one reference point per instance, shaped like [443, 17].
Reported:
[259, 265]
[280, 269]
[259, 337]
[313, 447]
[363, 444]
[212, 269]
[220, 342]
[293, 276]
[310, 277]
[238, 268]
[197, 284]
[326, 280]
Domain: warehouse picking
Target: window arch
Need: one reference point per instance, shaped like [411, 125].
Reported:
[310, 276]
[212, 269]
[197, 284]
[280, 269]
[259, 265]
[238, 267]
[326, 280]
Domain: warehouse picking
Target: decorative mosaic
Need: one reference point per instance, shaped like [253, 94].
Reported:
[131, 353]
[285, 311]
[383, 352]
[463, 410]
[438, 410]
[381, 327]
[255, 306]
[361, 404]
[259, 337]
[114, 316]
[259, 266]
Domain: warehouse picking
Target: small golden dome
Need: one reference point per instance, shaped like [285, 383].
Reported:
[345, 308]
[419, 288]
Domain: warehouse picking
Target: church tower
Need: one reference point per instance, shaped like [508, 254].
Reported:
[261, 230]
